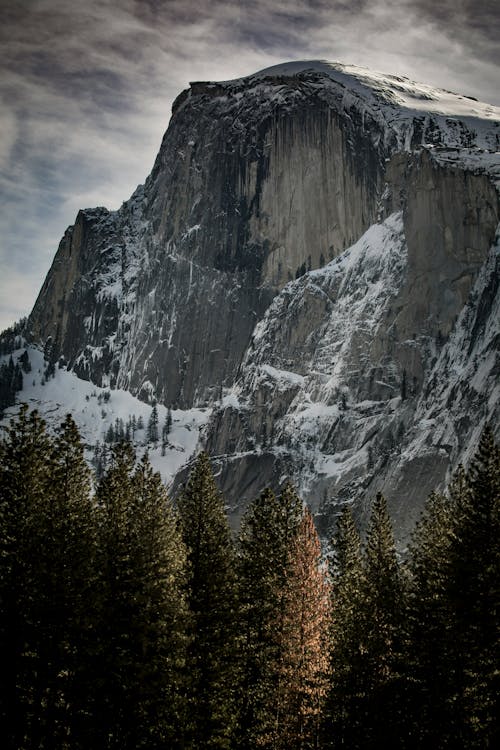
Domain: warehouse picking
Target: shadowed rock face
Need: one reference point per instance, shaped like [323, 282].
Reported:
[345, 365]
[355, 377]
[161, 296]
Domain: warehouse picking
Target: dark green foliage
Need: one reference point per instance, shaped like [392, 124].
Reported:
[475, 594]
[142, 642]
[47, 572]
[455, 568]
[93, 628]
[212, 599]
[11, 382]
[364, 709]
[12, 338]
[267, 532]
[160, 562]
[153, 426]
[125, 626]
[24, 362]
[343, 714]
[25, 484]
[428, 658]
[166, 429]
[384, 609]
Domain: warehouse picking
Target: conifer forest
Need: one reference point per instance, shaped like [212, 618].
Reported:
[129, 620]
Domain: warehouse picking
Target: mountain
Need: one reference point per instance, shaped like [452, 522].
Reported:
[313, 264]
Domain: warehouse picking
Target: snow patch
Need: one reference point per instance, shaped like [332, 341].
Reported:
[96, 409]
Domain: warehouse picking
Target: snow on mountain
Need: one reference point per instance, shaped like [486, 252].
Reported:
[96, 410]
[307, 277]
[397, 90]
[397, 101]
[329, 396]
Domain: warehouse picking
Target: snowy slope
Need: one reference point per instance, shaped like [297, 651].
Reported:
[395, 101]
[96, 409]
[328, 391]
[399, 91]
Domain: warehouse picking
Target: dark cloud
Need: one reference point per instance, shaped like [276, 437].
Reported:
[475, 24]
[86, 89]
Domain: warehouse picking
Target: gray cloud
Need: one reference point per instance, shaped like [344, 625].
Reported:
[86, 89]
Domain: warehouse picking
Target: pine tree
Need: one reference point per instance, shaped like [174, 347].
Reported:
[266, 536]
[212, 600]
[160, 556]
[139, 687]
[25, 478]
[153, 425]
[428, 653]
[383, 599]
[24, 361]
[474, 593]
[305, 662]
[343, 725]
[68, 554]
[455, 567]
[49, 538]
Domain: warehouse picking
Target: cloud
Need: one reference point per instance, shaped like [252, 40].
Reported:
[86, 89]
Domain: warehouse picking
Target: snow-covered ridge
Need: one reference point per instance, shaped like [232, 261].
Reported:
[396, 102]
[397, 90]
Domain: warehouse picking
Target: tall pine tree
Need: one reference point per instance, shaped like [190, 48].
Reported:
[25, 481]
[305, 664]
[455, 567]
[475, 595]
[212, 598]
[68, 555]
[48, 565]
[343, 725]
[159, 555]
[429, 648]
[384, 604]
[142, 629]
[267, 532]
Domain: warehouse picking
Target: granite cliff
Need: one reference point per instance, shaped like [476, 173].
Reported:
[314, 258]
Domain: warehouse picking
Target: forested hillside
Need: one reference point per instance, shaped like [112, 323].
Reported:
[131, 621]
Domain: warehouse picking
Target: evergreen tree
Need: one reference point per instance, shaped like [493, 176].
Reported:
[11, 381]
[48, 556]
[429, 648]
[384, 604]
[25, 479]
[161, 563]
[266, 537]
[455, 567]
[305, 662]
[67, 556]
[24, 361]
[166, 431]
[153, 425]
[343, 725]
[474, 595]
[212, 600]
[139, 690]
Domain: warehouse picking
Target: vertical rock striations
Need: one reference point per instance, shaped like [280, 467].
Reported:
[314, 255]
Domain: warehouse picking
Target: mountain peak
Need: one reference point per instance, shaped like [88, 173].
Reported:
[312, 259]
[393, 89]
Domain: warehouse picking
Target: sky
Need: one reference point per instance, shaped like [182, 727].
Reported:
[86, 90]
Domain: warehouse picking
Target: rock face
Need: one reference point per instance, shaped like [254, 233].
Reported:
[314, 256]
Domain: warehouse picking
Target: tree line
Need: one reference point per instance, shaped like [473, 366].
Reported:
[128, 621]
